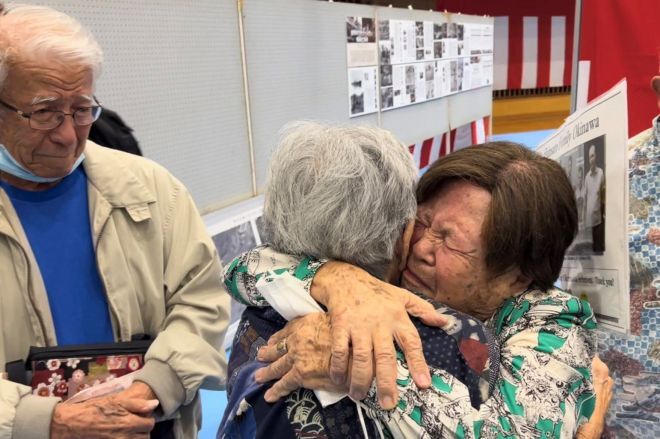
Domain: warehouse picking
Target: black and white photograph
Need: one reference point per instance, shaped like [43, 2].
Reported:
[452, 30]
[419, 42]
[459, 74]
[232, 242]
[362, 91]
[572, 162]
[360, 30]
[386, 97]
[454, 76]
[419, 29]
[385, 75]
[410, 91]
[429, 71]
[420, 54]
[384, 30]
[594, 198]
[410, 75]
[438, 33]
[361, 47]
[460, 31]
[261, 229]
[437, 49]
[430, 89]
[385, 52]
[585, 168]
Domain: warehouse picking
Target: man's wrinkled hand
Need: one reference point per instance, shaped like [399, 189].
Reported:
[104, 418]
[138, 390]
[367, 316]
[304, 363]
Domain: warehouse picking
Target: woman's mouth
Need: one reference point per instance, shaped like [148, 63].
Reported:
[414, 281]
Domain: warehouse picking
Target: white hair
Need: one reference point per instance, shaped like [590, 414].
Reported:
[34, 33]
[339, 192]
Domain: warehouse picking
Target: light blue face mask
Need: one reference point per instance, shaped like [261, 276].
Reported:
[9, 165]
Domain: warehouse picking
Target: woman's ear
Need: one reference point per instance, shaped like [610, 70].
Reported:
[405, 243]
[398, 263]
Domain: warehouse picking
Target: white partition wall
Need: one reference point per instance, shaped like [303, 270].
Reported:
[173, 71]
[296, 52]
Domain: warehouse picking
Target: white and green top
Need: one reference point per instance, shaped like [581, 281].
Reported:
[544, 388]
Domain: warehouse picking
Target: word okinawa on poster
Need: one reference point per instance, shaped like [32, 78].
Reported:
[591, 146]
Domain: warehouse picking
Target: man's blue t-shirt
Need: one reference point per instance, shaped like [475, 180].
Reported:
[56, 222]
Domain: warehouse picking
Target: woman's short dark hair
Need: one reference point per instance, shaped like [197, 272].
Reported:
[532, 218]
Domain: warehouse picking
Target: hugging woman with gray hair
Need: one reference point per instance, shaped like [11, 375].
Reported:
[344, 193]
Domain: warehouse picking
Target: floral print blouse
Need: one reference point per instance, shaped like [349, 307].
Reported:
[544, 389]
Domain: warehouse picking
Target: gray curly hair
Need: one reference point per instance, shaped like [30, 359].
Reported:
[339, 192]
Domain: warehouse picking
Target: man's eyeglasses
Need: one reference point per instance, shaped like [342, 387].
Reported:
[50, 119]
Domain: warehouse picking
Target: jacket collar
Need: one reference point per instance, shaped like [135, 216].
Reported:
[103, 166]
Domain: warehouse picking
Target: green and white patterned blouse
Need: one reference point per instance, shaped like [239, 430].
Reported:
[547, 343]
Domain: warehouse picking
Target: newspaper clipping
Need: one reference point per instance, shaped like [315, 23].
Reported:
[361, 42]
[591, 147]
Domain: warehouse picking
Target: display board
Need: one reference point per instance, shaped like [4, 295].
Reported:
[173, 71]
[298, 68]
[591, 146]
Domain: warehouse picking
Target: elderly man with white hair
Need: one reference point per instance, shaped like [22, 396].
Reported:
[343, 193]
[96, 246]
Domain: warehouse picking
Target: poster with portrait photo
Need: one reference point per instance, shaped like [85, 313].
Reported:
[384, 30]
[385, 48]
[362, 89]
[438, 49]
[419, 40]
[361, 48]
[429, 76]
[386, 97]
[385, 75]
[420, 83]
[453, 69]
[428, 40]
[591, 148]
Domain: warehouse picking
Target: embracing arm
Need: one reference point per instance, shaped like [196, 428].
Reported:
[544, 389]
[355, 301]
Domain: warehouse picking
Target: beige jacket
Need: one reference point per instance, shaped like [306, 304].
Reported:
[161, 273]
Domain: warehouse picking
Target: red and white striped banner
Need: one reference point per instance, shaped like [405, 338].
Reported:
[426, 152]
[532, 52]
[429, 150]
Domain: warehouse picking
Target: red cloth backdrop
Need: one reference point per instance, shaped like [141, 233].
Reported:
[544, 57]
[621, 38]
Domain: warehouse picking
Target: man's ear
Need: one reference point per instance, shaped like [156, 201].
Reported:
[405, 243]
